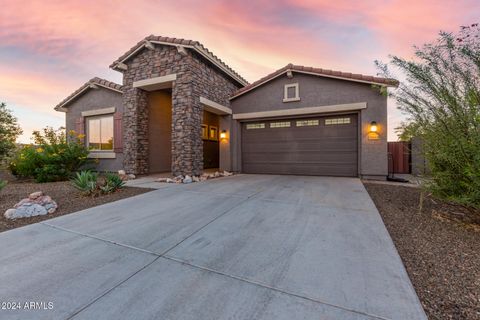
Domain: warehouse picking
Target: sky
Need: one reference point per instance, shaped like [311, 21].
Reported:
[48, 49]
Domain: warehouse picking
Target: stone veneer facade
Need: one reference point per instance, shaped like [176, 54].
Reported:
[195, 77]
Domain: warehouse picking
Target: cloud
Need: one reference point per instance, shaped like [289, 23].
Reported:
[49, 48]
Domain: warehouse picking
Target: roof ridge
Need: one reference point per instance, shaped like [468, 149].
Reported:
[182, 42]
[95, 80]
[321, 72]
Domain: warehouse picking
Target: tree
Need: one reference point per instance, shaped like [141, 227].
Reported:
[9, 131]
[441, 97]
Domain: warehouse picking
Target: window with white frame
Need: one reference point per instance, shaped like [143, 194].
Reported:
[282, 124]
[291, 92]
[251, 126]
[307, 123]
[100, 133]
[334, 121]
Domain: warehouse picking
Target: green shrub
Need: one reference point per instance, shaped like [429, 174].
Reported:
[86, 182]
[441, 97]
[9, 132]
[3, 183]
[54, 157]
[112, 183]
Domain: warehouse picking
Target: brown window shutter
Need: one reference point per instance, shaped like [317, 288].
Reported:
[117, 132]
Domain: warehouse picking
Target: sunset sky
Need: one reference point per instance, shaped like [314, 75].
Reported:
[50, 48]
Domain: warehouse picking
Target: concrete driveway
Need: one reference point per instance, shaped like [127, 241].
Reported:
[243, 247]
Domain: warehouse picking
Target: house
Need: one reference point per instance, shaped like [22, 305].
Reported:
[182, 109]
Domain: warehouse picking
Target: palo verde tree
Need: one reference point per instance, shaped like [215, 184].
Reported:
[441, 97]
[9, 131]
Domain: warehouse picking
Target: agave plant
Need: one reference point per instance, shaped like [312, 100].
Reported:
[86, 182]
[112, 183]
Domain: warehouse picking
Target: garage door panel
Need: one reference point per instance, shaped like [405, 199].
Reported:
[312, 146]
[334, 169]
[312, 156]
[307, 150]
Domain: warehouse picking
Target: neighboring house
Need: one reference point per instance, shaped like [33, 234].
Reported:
[182, 109]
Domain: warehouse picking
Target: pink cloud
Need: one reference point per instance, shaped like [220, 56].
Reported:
[52, 47]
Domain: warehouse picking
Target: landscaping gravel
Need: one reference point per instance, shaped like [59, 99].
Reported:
[67, 197]
[439, 245]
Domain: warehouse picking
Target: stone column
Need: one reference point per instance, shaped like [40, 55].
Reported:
[135, 131]
[187, 147]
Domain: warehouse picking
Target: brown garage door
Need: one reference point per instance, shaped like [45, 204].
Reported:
[305, 146]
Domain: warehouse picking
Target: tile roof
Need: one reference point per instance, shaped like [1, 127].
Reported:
[180, 42]
[321, 72]
[95, 81]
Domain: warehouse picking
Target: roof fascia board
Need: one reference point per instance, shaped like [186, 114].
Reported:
[89, 86]
[261, 83]
[197, 49]
[311, 73]
[72, 98]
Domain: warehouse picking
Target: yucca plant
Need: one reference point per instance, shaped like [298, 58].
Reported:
[86, 182]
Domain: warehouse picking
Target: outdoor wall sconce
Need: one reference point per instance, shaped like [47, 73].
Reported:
[373, 127]
[223, 135]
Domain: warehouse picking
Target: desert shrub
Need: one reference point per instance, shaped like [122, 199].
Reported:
[55, 156]
[441, 97]
[112, 183]
[3, 183]
[86, 182]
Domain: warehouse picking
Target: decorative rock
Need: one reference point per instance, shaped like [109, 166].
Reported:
[131, 176]
[187, 179]
[122, 173]
[196, 179]
[36, 204]
[31, 211]
[227, 174]
[169, 180]
[162, 179]
[35, 195]
[10, 213]
[217, 174]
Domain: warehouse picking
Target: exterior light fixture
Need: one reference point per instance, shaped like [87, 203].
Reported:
[373, 127]
[223, 134]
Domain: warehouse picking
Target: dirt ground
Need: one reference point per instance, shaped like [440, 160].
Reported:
[67, 197]
[439, 244]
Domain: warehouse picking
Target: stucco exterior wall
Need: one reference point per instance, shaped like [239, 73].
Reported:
[91, 100]
[318, 91]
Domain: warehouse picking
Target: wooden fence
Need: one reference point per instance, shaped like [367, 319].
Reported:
[399, 157]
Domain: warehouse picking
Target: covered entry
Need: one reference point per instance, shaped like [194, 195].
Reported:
[305, 146]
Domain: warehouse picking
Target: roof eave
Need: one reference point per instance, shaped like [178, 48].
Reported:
[315, 74]
[197, 48]
[61, 107]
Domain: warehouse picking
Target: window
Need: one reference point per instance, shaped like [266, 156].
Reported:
[337, 121]
[213, 133]
[290, 93]
[285, 124]
[100, 133]
[204, 132]
[306, 123]
[255, 126]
